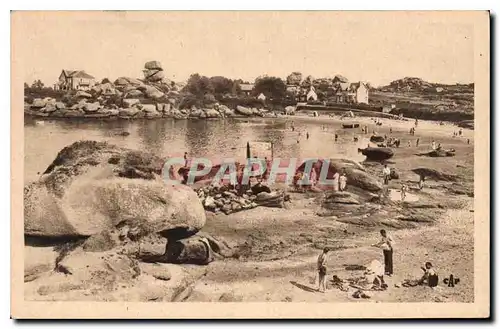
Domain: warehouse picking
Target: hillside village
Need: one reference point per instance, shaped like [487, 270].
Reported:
[77, 93]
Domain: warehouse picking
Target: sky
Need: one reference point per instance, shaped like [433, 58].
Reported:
[375, 48]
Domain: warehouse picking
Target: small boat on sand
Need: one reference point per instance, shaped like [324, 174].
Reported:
[350, 125]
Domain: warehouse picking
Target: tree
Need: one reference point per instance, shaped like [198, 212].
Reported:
[199, 85]
[271, 87]
[26, 86]
[294, 78]
[221, 85]
[37, 84]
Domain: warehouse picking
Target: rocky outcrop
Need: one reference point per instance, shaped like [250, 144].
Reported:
[38, 261]
[193, 250]
[377, 153]
[153, 71]
[105, 100]
[248, 111]
[290, 110]
[94, 186]
[111, 276]
[435, 174]
[356, 174]
[376, 139]
[438, 153]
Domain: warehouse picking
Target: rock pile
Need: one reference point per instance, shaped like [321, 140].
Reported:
[129, 98]
[227, 200]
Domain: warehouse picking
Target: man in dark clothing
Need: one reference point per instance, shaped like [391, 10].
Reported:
[387, 244]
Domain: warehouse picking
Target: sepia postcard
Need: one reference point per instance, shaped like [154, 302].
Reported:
[250, 164]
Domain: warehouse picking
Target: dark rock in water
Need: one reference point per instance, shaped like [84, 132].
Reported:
[376, 139]
[435, 174]
[193, 250]
[377, 153]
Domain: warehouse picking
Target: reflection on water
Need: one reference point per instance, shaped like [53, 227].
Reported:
[200, 138]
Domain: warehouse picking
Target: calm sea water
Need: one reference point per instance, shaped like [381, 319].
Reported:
[200, 138]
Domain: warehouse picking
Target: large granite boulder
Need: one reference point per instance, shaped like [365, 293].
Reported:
[290, 110]
[134, 93]
[128, 112]
[82, 94]
[153, 65]
[377, 153]
[244, 110]
[355, 173]
[193, 250]
[92, 107]
[125, 81]
[377, 139]
[129, 102]
[94, 186]
[151, 92]
[38, 103]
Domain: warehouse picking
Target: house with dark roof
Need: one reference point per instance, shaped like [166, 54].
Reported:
[352, 93]
[75, 80]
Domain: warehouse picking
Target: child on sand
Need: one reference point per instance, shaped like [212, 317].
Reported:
[404, 188]
[322, 263]
[430, 276]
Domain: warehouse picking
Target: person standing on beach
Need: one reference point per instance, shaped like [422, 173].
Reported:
[460, 132]
[321, 266]
[387, 174]
[421, 182]
[186, 161]
[307, 135]
[387, 245]
[336, 179]
[433, 145]
[336, 136]
[417, 142]
[390, 130]
[343, 181]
